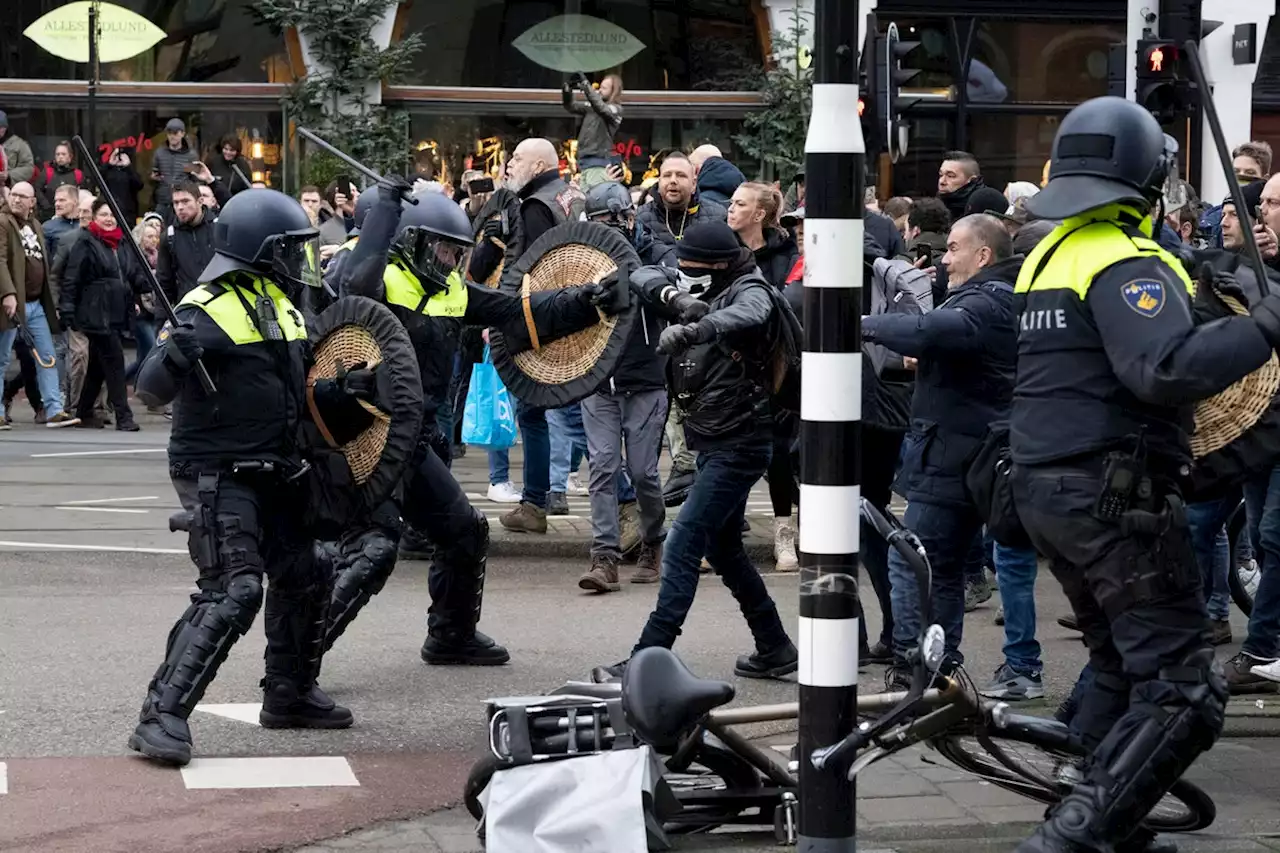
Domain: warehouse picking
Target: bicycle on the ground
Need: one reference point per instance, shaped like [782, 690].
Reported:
[718, 777]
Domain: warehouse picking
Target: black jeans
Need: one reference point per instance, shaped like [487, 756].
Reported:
[880, 451]
[106, 364]
[710, 525]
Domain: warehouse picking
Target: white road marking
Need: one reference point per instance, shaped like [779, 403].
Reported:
[111, 500]
[61, 546]
[309, 772]
[4, 778]
[100, 452]
[244, 712]
[103, 509]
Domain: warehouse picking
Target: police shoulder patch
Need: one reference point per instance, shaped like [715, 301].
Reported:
[1145, 296]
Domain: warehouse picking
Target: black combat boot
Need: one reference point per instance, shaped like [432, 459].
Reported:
[295, 622]
[286, 706]
[164, 737]
[774, 663]
[458, 647]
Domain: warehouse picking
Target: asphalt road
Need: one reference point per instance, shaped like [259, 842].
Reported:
[91, 581]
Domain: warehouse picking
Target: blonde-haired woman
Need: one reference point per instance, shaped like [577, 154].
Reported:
[753, 215]
[148, 234]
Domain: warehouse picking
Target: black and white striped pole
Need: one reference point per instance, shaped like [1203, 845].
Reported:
[830, 411]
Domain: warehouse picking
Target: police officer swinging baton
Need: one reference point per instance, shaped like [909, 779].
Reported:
[82, 150]
[407, 192]
[1192, 50]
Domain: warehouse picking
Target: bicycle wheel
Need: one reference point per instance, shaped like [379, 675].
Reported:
[1242, 580]
[477, 780]
[1040, 761]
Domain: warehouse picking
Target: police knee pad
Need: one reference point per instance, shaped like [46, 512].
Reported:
[473, 540]
[245, 594]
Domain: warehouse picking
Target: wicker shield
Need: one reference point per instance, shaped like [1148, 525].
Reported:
[1227, 415]
[502, 202]
[565, 371]
[358, 329]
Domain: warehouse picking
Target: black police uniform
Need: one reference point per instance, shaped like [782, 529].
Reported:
[433, 502]
[1109, 368]
[238, 470]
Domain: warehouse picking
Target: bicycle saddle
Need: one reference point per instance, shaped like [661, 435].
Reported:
[662, 699]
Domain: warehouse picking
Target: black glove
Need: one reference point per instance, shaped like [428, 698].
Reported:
[581, 79]
[1222, 282]
[493, 230]
[359, 380]
[393, 188]
[613, 293]
[1267, 315]
[691, 308]
[182, 348]
[676, 339]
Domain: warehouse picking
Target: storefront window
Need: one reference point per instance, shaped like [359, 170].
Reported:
[141, 133]
[214, 41]
[1011, 147]
[1021, 61]
[447, 145]
[916, 173]
[698, 44]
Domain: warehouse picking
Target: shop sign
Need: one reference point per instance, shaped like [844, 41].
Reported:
[1244, 44]
[122, 34]
[572, 43]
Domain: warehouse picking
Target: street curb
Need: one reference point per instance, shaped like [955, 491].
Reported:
[573, 547]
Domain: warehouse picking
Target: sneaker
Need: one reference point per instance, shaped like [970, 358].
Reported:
[784, 546]
[503, 493]
[575, 486]
[877, 653]
[602, 576]
[774, 663]
[460, 648]
[1220, 634]
[628, 528]
[128, 426]
[1269, 671]
[648, 564]
[557, 503]
[62, 419]
[704, 568]
[5, 423]
[526, 518]
[999, 620]
[1013, 686]
[157, 410]
[677, 487]
[1242, 679]
[40, 417]
[91, 422]
[975, 593]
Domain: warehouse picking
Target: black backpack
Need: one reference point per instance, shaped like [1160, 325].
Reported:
[786, 342]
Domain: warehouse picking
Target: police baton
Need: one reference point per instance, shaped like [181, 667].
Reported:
[407, 192]
[248, 184]
[29, 341]
[1192, 50]
[82, 150]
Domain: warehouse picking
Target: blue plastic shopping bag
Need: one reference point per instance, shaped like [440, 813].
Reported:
[488, 419]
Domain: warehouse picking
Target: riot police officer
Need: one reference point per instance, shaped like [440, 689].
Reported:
[236, 464]
[1109, 368]
[413, 258]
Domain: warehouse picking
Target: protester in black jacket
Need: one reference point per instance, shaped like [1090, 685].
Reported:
[123, 182]
[170, 165]
[98, 289]
[186, 246]
[677, 204]
[720, 351]
[61, 172]
[229, 166]
[959, 177]
[967, 351]
[753, 215]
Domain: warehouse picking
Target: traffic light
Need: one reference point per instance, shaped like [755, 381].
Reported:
[1162, 89]
[867, 77]
[890, 74]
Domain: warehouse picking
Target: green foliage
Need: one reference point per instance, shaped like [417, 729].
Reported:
[775, 134]
[331, 101]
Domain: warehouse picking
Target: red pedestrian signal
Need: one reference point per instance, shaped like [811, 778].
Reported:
[862, 107]
[1156, 59]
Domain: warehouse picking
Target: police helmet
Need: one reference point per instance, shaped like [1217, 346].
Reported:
[1107, 150]
[609, 200]
[364, 202]
[434, 239]
[268, 233]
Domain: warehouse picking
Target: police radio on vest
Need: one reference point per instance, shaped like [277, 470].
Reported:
[1047, 318]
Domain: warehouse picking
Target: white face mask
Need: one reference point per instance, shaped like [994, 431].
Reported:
[694, 284]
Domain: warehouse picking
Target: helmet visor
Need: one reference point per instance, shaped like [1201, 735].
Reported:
[295, 256]
[432, 257]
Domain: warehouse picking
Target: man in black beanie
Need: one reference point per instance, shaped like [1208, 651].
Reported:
[720, 340]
